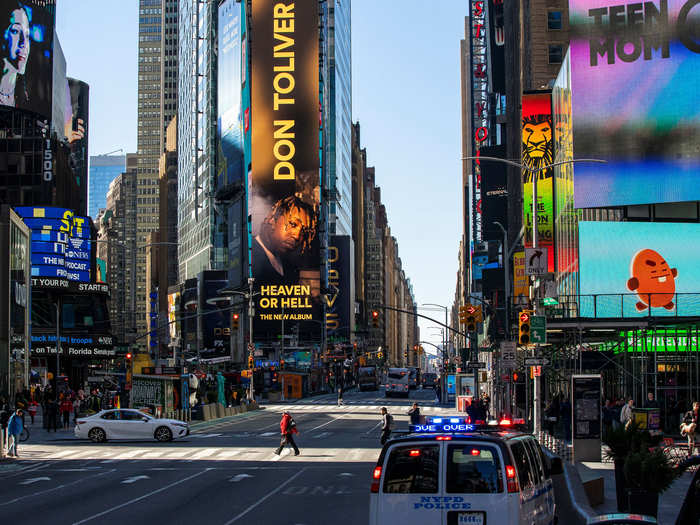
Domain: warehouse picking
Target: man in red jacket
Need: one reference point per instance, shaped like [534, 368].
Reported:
[288, 428]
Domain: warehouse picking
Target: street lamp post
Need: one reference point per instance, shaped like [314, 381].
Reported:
[445, 351]
[535, 176]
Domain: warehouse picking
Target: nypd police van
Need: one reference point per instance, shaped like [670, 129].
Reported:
[450, 472]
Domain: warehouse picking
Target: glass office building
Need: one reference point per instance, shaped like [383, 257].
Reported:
[103, 170]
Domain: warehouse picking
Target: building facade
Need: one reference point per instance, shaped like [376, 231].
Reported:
[103, 170]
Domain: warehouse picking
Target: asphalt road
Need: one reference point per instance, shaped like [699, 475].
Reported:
[224, 473]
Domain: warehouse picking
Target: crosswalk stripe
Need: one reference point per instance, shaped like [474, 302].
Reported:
[229, 453]
[63, 453]
[204, 453]
[153, 454]
[178, 454]
[129, 455]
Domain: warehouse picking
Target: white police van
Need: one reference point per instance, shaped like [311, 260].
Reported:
[449, 472]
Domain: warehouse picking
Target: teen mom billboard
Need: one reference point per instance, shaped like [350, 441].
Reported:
[635, 72]
[284, 193]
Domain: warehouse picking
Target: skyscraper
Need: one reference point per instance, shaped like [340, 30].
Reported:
[197, 140]
[338, 107]
[103, 170]
[157, 105]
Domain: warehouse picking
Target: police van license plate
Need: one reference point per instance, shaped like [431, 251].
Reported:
[471, 518]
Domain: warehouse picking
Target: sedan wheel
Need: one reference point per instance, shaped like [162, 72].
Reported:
[97, 435]
[163, 434]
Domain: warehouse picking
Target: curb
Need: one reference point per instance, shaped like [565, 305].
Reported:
[577, 495]
[212, 422]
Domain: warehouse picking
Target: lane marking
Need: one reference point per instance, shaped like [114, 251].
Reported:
[59, 487]
[31, 481]
[134, 479]
[268, 495]
[127, 503]
[229, 453]
[374, 427]
[204, 453]
[129, 455]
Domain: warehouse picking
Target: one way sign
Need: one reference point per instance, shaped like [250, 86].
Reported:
[535, 261]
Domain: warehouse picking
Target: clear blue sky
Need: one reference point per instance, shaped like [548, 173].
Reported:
[405, 96]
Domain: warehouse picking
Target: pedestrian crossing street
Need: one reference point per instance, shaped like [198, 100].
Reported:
[100, 455]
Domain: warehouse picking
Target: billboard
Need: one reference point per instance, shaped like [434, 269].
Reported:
[27, 54]
[635, 73]
[537, 150]
[494, 193]
[76, 131]
[215, 318]
[566, 218]
[284, 194]
[639, 269]
[339, 302]
[61, 243]
[521, 284]
[229, 162]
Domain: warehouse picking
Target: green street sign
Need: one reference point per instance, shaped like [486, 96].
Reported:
[549, 301]
[538, 329]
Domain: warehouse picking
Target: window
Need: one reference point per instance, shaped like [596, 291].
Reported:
[473, 469]
[131, 415]
[109, 415]
[554, 20]
[413, 470]
[522, 464]
[535, 460]
[555, 54]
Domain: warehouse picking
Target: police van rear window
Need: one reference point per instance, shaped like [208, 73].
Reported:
[412, 470]
[473, 469]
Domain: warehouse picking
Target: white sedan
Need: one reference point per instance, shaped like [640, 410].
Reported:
[128, 424]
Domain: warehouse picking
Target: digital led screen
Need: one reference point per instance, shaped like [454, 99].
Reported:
[635, 72]
[61, 243]
[338, 301]
[229, 133]
[633, 266]
[284, 196]
[27, 28]
[538, 152]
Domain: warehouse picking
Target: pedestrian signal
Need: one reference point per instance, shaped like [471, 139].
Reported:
[524, 319]
[375, 318]
[235, 318]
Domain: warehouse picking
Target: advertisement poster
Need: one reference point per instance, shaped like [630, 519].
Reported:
[586, 392]
[566, 218]
[635, 73]
[215, 317]
[633, 267]
[494, 193]
[61, 245]
[173, 311]
[27, 54]
[521, 285]
[229, 162]
[76, 129]
[538, 152]
[100, 271]
[284, 195]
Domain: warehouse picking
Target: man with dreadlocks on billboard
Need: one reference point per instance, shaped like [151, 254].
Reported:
[285, 235]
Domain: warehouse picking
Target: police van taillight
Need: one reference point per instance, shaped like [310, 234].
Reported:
[512, 480]
[376, 476]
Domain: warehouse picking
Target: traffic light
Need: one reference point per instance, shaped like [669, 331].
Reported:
[471, 318]
[235, 318]
[524, 327]
[250, 361]
[129, 356]
[281, 364]
[375, 318]
[380, 355]
[463, 313]
[515, 377]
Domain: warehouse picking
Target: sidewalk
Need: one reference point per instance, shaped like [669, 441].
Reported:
[670, 502]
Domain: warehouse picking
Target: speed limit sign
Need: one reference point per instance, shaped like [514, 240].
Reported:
[508, 354]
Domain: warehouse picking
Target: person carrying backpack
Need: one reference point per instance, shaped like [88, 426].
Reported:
[387, 424]
[288, 428]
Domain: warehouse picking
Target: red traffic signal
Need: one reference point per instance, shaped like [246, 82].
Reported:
[524, 317]
[128, 356]
[515, 377]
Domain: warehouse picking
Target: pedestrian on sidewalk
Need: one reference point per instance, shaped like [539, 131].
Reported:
[626, 413]
[387, 424]
[52, 414]
[66, 409]
[340, 395]
[32, 410]
[288, 427]
[689, 425]
[14, 429]
[414, 414]
[438, 392]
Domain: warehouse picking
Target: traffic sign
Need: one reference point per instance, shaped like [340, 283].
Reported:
[535, 261]
[536, 361]
[476, 364]
[538, 329]
[508, 354]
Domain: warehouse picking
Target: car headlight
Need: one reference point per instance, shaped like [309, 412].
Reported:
[183, 425]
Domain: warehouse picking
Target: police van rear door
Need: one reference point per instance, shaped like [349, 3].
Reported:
[411, 489]
[475, 484]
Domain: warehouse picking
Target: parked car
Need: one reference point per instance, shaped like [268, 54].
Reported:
[128, 424]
